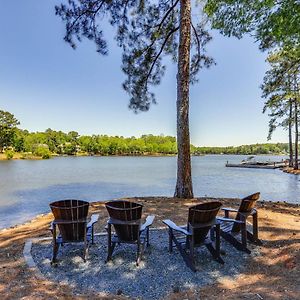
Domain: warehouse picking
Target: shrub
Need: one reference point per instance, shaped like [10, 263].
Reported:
[9, 154]
[42, 152]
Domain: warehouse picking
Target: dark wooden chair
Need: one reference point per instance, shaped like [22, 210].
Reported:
[70, 216]
[125, 217]
[235, 230]
[201, 219]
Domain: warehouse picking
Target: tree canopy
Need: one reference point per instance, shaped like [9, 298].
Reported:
[274, 23]
[146, 31]
[58, 142]
[8, 125]
[280, 86]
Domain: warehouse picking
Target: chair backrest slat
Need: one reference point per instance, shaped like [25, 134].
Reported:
[246, 206]
[71, 210]
[201, 214]
[125, 211]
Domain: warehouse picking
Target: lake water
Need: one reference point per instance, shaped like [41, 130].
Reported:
[28, 186]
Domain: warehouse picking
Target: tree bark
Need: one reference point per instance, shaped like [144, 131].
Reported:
[296, 135]
[184, 188]
[290, 134]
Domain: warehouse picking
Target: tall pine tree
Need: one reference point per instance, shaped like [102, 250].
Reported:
[148, 30]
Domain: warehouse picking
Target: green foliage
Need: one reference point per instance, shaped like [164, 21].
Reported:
[19, 140]
[62, 143]
[255, 149]
[280, 87]
[274, 23]
[9, 154]
[42, 151]
[8, 126]
[39, 144]
[145, 30]
[69, 148]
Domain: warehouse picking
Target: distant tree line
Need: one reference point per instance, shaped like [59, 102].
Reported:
[255, 149]
[51, 142]
[72, 143]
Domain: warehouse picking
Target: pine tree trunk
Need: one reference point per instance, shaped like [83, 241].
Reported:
[184, 188]
[296, 135]
[290, 134]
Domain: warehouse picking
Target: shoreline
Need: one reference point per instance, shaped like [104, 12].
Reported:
[273, 275]
[19, 156]
[48, 214]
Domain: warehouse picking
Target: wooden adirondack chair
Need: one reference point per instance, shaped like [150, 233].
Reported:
[231, 228]
[201, 219]
[125, 217]
[70, 216]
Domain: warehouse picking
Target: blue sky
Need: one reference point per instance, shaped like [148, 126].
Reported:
[46, 84]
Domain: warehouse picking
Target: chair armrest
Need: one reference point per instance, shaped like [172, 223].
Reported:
[148, 223]
[173, 226]
[229, 220]
[94, 219]
[229, 209]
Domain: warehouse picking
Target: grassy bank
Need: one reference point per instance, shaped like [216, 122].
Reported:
[3, 156]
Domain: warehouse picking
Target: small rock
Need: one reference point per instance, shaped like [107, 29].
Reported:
[119, 292]
[176, 289]
[223, 252]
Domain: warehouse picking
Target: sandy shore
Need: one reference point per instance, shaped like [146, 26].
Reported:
[273, 275]
[291, 171]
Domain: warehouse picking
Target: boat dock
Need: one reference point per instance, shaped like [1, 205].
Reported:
[250, 163]
[257, 166]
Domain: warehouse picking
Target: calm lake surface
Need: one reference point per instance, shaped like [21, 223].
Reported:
[28, 186]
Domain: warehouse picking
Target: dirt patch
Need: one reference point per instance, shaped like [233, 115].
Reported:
[273, 275]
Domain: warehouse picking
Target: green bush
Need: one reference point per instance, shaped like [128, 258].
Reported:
[42, 152]
[9, 154]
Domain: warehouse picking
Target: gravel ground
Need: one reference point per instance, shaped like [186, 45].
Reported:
[159, 273]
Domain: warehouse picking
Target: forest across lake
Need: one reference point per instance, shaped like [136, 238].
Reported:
[50, 142]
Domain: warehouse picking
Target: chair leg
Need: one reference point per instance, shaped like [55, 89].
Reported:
[217, 257]
[212, 233]
[110, 245]
[255, 229]
[55, 245]
[218, 240]
[234, 242]
[244, 235]
[86, 247]
[216, 251]
[55, 251]
[191, 253]
[85, 251]
[191, 248]
[92, 234]
[148, 237]
[170, 240]
[138, 252]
